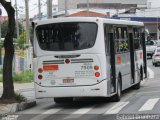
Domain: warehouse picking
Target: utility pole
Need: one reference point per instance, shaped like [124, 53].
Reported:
[88, 7]
[17, 26]
[66, 7]
[39, 9]
[49, 9]
[27, 23]
[27, 35]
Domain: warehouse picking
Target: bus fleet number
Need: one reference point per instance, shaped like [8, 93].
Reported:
[86, 67]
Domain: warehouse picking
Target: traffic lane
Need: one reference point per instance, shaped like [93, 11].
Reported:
[49, 110]
[85, 109]
[155, 69]
[142, 101]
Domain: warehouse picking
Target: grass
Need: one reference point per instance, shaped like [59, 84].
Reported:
[22, 77]
[20, 98]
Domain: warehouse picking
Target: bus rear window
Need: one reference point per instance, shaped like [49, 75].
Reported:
[67, 36]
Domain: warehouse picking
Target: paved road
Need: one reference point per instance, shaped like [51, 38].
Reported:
[144, 103]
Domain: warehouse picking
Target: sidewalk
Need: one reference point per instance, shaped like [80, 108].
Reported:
[25, 89]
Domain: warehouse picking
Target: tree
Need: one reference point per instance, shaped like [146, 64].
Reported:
[21, 41]
[4, 28]
[8, 87]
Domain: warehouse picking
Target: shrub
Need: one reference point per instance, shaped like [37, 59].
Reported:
[22, 77]
[1, 78]
[1, 70]
[20, 98]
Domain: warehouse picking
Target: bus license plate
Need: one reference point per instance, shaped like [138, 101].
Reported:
[68, 80]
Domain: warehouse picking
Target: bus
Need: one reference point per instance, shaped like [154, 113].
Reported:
[87, 57]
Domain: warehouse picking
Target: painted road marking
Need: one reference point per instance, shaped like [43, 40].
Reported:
[149, 104]
[116, 108]
[79, 112]
[83, 110]
[151, 73]
[46, 114]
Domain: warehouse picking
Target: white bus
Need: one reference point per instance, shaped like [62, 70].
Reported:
[87, 57]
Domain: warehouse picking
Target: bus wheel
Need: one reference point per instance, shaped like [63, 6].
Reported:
[117, 97]
[137, 86]
[141, 74]
[153, 63]
[63, 100]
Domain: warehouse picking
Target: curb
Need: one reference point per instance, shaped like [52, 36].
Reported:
[15, 107]
[25, 105]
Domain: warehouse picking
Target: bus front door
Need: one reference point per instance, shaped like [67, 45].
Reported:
[132, 58]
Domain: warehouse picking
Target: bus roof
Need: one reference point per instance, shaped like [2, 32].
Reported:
[89, 19]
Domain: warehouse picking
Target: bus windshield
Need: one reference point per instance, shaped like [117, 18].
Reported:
[68, 36]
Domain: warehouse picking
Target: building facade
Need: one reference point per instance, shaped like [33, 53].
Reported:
[117, 4]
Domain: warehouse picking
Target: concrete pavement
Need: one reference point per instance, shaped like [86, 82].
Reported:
[25, 89]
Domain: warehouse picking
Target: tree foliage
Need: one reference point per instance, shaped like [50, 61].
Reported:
[21, 40]
[4, 28]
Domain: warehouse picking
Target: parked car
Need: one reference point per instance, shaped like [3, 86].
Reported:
[156, 57]
[150, 47]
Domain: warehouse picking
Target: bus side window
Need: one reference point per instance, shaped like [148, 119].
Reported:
[125, 39]
[137, 38]
[121, 39]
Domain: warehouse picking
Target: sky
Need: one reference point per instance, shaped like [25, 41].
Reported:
[33, 6]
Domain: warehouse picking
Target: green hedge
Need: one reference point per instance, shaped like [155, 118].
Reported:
[1, 70]
[22, 77]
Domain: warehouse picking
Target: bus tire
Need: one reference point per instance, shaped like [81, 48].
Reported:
[137, 86]
[141, 74]
[117, 96]
[63, 100]
[156, 64]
